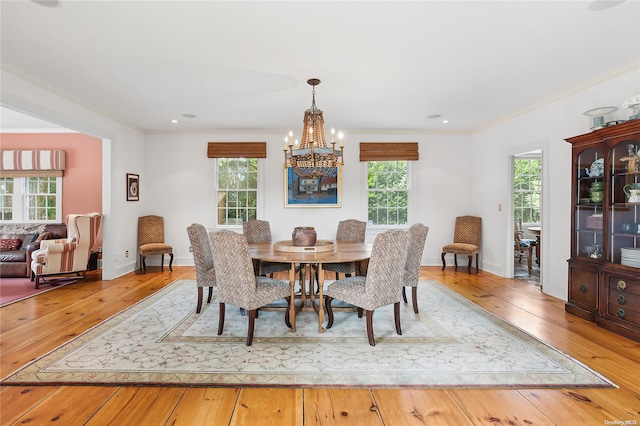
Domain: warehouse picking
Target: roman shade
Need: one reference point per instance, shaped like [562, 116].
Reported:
[237, 150]
[388, 151]
[32, 163]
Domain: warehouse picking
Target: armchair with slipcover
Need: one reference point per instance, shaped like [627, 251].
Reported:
[69, 255]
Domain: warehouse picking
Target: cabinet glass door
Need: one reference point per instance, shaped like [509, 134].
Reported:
[624, 204]
[589, 199]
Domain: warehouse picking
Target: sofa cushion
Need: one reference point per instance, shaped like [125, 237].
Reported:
[10, 244]
[12, 256]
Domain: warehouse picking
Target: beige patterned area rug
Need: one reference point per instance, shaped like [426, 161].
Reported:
[452, 343]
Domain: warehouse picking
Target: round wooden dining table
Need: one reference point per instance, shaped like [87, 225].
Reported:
[342, 252]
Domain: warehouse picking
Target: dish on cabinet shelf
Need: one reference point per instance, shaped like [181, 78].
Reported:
[597, 168]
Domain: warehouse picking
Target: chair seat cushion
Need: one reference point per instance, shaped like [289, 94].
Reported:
[461, 248]
[528, 241]
[525, 244]
[155, 248]
[267, 291]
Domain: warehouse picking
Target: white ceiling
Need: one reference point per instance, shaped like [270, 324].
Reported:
[384, 65]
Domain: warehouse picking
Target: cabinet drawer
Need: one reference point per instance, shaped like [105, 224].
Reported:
[623, 299]
[583, 288]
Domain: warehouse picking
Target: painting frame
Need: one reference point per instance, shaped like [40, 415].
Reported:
[133, 187]
[328, 192]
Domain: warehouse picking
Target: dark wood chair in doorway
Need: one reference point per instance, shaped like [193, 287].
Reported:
[466, 240]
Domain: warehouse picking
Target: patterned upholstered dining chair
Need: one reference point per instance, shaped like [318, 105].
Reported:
[151, 240]
[237, 283]
[203, 261]
[353, 231]
[259, 231]
[383, 284]
[466, 240]
[417, 237]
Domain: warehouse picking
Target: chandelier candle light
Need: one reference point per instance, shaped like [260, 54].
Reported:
[313, 158]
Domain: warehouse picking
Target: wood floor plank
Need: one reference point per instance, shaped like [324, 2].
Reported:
[35, 326]
[328, 407]
[138, 406]
[268, 407]
[16, 401]
[68, 405]
[203, 406]
[418, 407]
[569, 406]
[499, 406]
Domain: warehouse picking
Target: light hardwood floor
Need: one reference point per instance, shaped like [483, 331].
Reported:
[37, 325]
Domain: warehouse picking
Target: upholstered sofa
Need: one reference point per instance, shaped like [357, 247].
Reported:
[19, 241]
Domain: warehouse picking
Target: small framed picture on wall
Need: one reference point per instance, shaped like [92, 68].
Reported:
[133, 187]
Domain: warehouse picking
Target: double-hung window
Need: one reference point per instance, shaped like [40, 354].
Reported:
[237, 190]
[527, 189]
[387, 192]
[31, 199]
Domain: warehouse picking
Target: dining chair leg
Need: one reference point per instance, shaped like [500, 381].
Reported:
[455, 260]
[404, 295]
[414, 298]
[360, 311]
[396, 316]
[199, 306]
[170, 261]
[444, 263]
[369, 315]
[287, 317]
[252, 322]
[162, 262]
[221, 319]
[327, 304]
[210, 294]
[469, 264]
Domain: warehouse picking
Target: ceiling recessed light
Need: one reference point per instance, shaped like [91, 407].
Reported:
[445, 121]
[174, 121]
[188, 115]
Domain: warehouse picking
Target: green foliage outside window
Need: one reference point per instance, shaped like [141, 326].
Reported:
[387, 192]
[527, 189]
[237, 190]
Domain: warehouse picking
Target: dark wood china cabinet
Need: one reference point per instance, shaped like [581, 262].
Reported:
[604, 268]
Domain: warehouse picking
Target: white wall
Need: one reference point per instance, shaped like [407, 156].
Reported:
[545, 127]
[179, 183]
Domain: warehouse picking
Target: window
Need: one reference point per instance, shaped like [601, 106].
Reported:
[237, 190]
[388, 192]
[527, 189]
[31, 199]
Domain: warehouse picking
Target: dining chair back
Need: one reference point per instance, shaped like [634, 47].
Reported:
[202, 260]
[259, 231]
[237, 283]
[353, 231]
[417, 238]
[382, 285]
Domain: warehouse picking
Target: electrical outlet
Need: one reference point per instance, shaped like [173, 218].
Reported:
[126, 253]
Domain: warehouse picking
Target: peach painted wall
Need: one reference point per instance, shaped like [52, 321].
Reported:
[82, 178]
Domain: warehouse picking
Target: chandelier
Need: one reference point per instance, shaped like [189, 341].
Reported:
[313, 158]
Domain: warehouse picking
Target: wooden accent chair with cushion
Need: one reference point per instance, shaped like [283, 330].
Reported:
[237, 283]
[522, 248]
[151, 240]
[417, 237]
[69, 255]
[383, 284]
[466, 240]
[203, 261]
